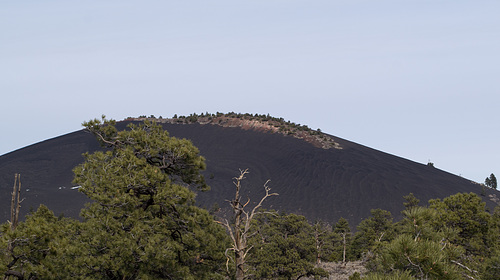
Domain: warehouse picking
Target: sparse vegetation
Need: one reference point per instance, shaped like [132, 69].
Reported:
[259, 122]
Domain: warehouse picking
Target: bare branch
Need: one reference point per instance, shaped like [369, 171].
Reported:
[240, 229]
[228, 257]
[416, 265]
[229, 229]
[13, 273]
[111, 144]
[380, 238]
[262, 200]
[12, 207]
[15, 202]
[248, 201]
[468, 269]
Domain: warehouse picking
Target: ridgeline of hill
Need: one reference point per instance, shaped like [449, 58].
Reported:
[317, 175]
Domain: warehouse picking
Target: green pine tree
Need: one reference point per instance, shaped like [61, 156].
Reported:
[284, 248]
[143, 222]
[373, 233]
[491, 181]
[420, 249]
[342, 239]
[465, 213]
[410, 201]
[27, 252]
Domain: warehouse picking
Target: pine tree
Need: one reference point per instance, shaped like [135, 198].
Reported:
[410, 201]
[465, 213]
[342, 238]
[28, 250]
[143, 222]
[421, 249]
[284, 248]
[323, 240]
[373, 232]
[491, 181]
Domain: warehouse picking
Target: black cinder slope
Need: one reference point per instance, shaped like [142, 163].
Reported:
[319, 183]
[46, 174]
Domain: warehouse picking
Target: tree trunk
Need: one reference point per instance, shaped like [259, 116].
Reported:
[14, 221]
[240, 242]
[343, 255]
[240, 270]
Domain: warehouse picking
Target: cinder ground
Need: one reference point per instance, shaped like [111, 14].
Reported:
[318, 183]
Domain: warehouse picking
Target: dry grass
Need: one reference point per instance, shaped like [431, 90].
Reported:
[340, 271]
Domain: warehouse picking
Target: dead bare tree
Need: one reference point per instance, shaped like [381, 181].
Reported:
[15, 204]
[320, 233]
[239, 229]
[344, 243]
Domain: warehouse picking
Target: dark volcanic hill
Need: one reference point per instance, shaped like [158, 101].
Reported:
[345, 180]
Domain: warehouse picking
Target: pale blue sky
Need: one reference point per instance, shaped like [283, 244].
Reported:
[418, 79]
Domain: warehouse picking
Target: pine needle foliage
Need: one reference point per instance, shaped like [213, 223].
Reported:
[143, 223]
